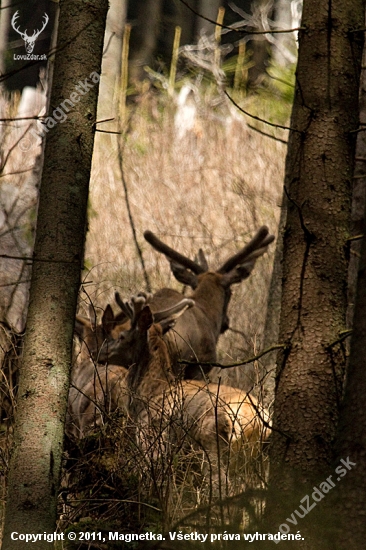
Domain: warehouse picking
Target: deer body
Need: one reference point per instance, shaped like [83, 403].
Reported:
[95, 389]
[213, 418]
[196, 333]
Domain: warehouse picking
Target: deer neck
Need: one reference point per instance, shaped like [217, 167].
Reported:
[152, 373]
[209, 296]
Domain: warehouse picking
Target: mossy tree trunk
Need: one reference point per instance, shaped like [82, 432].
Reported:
[58, 256]
[318, 180]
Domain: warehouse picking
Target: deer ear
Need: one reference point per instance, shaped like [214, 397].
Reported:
[108, 320]
[145, 319]
[184, 275]
[238, 274]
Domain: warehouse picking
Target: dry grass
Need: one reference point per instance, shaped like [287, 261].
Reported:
[111, 483]
[212, 189]
[19, 178]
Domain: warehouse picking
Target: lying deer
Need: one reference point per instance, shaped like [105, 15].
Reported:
[196, 332]
[95, 389]
[220, 420]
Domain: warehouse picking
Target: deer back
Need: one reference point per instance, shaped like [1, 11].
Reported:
[205, 412]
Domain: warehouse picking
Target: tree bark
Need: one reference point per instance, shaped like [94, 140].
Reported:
[58, 255]
[348, 505]
[309, 378]
[358, 201]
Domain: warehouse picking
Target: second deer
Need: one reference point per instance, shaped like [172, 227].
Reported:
[219, 420]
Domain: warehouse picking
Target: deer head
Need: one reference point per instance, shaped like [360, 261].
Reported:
[234, 270]
[29, 40]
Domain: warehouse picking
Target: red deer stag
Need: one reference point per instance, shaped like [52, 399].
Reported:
[196, 333]
[220, 420]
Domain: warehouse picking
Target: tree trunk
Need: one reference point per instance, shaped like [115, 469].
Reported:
[358, 201]
[4, 32]
[144, 37]
[319, 166]
[348, 505]
[111, 66]
[272, 322]
[58, 255]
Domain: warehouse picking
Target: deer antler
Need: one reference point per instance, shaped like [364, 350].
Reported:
[133, 307]
[171, 254]
[37, 33]
[13, 22]
[255, 248]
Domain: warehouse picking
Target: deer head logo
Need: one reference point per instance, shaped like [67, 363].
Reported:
[29, 40]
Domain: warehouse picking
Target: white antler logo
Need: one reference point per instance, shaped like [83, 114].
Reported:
[29, 40]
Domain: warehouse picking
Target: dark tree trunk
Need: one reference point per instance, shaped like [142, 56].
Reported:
[310, 372]
[348, 505]
[358, 201]
[144, 36]
[58, 255]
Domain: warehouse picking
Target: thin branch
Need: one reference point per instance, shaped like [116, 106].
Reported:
[104, 120]
[355, 238]
[25, 281]
[9, 152]
[139, 502]
[109, 132]
[267, 135]
[342, 336]
[35, 117]
[130, 217]
[362, 129]
[239, 363]
[258, 118]
[15, 173]
[108, 43]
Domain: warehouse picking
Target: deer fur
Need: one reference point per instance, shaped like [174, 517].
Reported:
[99, 391]
[196, 333]
[95, 389]
[217, 419]
[93, 336]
